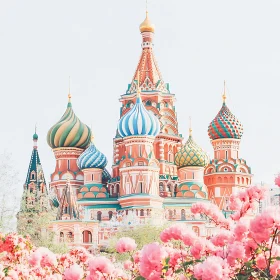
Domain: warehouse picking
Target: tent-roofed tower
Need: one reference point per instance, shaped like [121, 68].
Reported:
[35, 179]
[68, 208]
[158, 99]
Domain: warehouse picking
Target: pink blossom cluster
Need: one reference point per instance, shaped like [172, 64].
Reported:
[243, 248]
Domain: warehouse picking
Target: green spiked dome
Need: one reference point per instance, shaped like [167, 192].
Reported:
[69, 131]
[191, 155]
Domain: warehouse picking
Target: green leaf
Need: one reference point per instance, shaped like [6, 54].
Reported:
[140, 278]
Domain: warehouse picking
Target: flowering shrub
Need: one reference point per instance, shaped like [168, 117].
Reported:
[243, 248]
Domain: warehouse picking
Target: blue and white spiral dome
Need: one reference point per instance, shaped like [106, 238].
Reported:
[91, 158]
[138, 122]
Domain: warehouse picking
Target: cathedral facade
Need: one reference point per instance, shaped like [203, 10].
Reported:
[155, 176]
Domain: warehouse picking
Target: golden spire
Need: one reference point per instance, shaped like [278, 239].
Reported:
[190, 126]
[138, 84]
[69, 93]
[224, 94]
[146, 25]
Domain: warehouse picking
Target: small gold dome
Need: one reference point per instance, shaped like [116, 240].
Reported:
[146, 25]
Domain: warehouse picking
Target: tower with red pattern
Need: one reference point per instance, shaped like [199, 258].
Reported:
[227, 172]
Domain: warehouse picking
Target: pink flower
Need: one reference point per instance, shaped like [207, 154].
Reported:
[213, 268]
[126, 244]
[275, 268]
[241, 230]
[236, 251]
[277, 180]
[261, 262]
[151, 261]
[74, 272]
[198, 208]
[222, 238]
[201, 247]
[100, 264]
[173, 232]
[128, 265]
[234, 202]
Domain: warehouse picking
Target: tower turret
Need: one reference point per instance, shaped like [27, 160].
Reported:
[227, 172]
[139, 169]
[35, 179]
[68, 138]
[157, 99]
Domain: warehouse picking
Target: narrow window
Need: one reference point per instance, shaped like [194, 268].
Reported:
[141, 187]
[68, 164]
[226, 154]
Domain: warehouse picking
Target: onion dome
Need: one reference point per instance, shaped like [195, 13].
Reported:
[35, 136]
[91, 158]
[225, 124]
[69, 131]
[146, 25]
[138, 121]
[191, 154]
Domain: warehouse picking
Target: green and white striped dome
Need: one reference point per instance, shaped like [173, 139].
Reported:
[69, 131]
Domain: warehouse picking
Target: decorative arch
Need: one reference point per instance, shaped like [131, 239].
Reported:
[196, 230]
[87, 236]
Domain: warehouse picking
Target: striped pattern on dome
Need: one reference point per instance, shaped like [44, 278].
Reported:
[92, 158]
[138, 121]
[69, 131]
[191, 155]
[225, 125]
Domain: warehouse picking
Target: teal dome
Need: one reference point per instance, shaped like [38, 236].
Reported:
[92, 158]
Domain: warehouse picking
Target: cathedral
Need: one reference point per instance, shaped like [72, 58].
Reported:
[155, 175]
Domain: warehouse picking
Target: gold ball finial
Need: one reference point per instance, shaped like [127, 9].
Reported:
[146, 25]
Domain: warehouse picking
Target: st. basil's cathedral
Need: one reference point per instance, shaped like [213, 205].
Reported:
[155, 177]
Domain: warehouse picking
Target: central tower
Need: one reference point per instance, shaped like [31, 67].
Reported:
[157, 99]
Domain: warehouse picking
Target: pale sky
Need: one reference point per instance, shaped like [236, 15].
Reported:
[198, 45]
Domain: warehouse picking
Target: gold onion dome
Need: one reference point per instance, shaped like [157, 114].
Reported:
[146, 25]
[69, 131]
[191, 155]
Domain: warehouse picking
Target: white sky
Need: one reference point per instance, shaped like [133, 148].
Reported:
[198, 45]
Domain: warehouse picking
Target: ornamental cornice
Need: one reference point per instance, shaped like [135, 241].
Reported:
[225, 141]
[168, 137]
[61, 152]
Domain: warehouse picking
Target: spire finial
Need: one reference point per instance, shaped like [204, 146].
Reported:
[35, 128]
[224, 94]
[138, 84]
[69, 92]
[92, 136]
[190, 126]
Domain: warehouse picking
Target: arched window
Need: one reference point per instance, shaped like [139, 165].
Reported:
[99, 215]
[183, 214]
[87, 236]
[110, 213]
[196, 230]
[170, 214]
[70, 237]
[161, 189]
[142, 213]
[226, 154]
[68, 164]
[149, 103]
[141, 187]
[61, 237]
